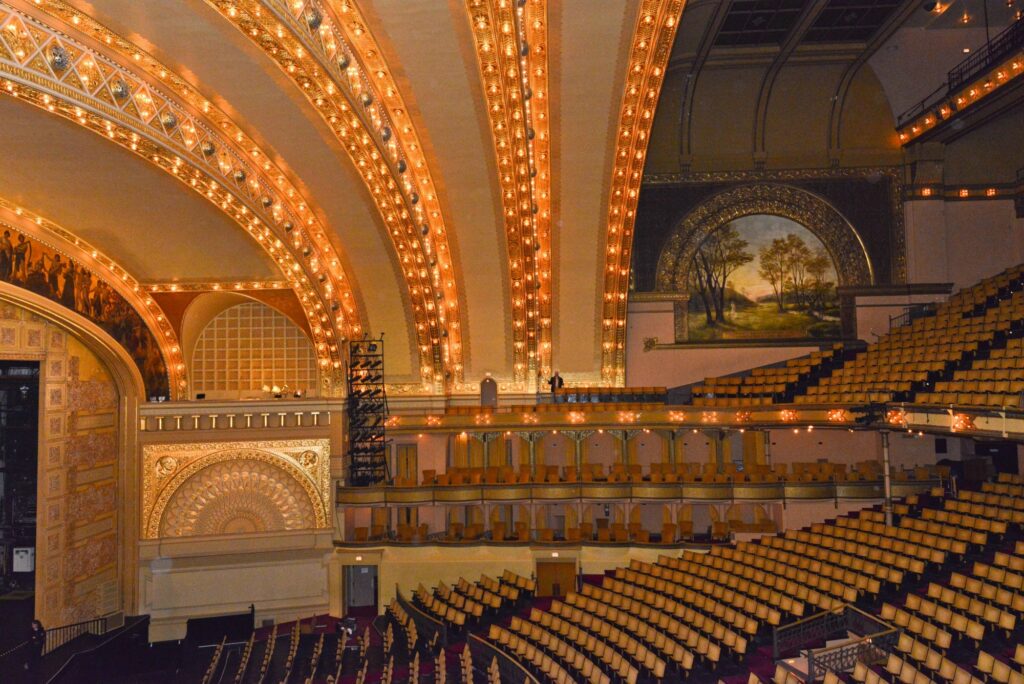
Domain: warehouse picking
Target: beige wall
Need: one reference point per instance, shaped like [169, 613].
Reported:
[283, 574]
[961, 241]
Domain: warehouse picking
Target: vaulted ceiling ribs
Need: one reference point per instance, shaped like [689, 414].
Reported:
[329, 53]
[511, 49]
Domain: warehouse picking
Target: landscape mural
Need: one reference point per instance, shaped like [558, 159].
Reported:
[30, 264]
[762, 277]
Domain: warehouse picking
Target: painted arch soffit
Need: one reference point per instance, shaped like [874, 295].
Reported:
[56, 264]
[189, 489]
[329, 52]
[109, 86]
[853, 266]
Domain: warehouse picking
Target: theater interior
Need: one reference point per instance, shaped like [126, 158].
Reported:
[512, 341]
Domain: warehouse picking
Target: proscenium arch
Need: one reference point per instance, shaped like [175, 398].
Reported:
[130, 392]
[844, 245]
[172, 132]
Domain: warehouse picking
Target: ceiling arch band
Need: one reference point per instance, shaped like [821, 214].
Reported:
[649, 53]
[292, 210]
[329, 53]
[511, 49]
[111, 273]
[49, 69]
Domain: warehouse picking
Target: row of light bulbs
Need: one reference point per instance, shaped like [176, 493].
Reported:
[648, 57]
[247, 185]
[511, 45]
[341, 70]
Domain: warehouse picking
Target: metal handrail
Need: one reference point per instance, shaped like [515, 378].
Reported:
[58, 636]
[511, 669]
[984, 58]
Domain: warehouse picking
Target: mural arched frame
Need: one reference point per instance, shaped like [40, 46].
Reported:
[840, 238]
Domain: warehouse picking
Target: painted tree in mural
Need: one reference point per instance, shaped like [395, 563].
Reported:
[797, 274]
[772, 260]
[717, 258]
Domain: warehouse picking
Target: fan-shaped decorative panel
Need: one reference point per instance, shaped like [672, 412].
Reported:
[235, 487]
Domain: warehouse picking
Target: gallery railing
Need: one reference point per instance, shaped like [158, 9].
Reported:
[873, 640]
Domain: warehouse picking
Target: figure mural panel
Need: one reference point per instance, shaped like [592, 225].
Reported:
[37, 267]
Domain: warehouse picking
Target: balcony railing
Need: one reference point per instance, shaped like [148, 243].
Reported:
[237, 415]
[986, 57]
[639, 492]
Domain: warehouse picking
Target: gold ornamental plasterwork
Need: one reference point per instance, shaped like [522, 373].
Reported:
[515, 86]
[303, 466]
[329, 52]
[890, 174]
[853, 266]
[649, 52]
[48, 68]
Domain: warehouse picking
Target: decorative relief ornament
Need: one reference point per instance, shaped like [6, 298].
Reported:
[235, 487]
[307, 459]
[59, 58]
[120, 89]
[166, 465]
[314, 18]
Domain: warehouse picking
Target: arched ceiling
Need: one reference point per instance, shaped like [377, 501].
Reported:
[470, 199]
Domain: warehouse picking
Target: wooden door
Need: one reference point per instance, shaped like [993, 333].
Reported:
[555, 578]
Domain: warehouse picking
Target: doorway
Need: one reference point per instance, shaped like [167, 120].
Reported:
[361, 590]
[19, 475]
[556, 578]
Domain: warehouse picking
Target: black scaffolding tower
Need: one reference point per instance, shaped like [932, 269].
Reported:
[367, 413]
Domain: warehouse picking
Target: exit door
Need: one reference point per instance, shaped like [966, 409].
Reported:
[361, 588]
[556, 578]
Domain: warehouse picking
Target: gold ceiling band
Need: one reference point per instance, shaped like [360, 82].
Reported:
[111, 273]
[218, 286]
[511, 48]
[648, 56]
[290, 212]
[330, 54]
[48, 68]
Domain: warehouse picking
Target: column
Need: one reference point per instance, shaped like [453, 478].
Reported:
[578, 436]
[532, 438]
[886, 477]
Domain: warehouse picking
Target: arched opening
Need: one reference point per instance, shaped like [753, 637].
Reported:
[250, 349]
[85, 515]
[746, 247]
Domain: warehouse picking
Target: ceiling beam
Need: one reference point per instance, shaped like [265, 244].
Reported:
[891, 25]
[795, 37]
[707, 41]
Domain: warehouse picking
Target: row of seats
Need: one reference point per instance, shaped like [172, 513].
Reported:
[977, 333]
[758, 387]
